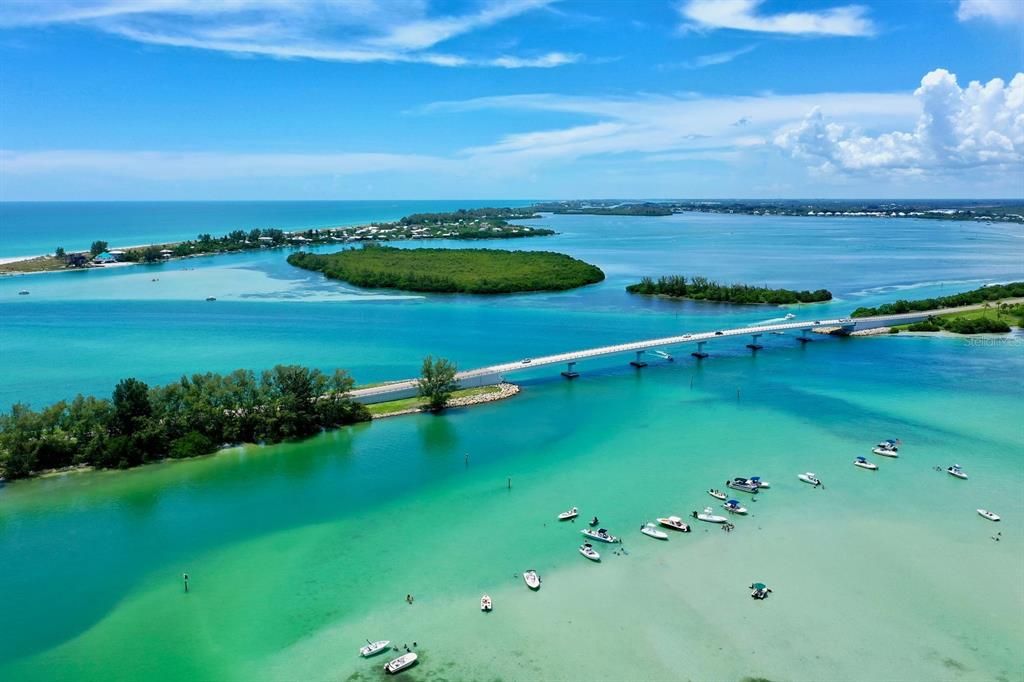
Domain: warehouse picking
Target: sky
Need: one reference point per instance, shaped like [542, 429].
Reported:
[526, 99]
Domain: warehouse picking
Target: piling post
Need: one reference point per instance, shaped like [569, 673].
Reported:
[699, 353]
[639, 362]
[571, 372]
[754, 345]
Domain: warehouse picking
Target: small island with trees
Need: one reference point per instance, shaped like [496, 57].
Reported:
[462, 271]
[985, 294]
[704, 289]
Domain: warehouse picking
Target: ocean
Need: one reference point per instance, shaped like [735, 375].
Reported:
[300, 552]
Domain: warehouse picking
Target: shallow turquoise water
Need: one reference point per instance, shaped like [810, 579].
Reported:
[298, 552]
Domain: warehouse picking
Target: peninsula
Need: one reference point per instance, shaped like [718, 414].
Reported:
[462, 271]
[704, 289]
[472, 224]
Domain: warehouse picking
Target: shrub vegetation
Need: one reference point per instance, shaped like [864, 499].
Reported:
[464, 271]
[704, 289]
[993, 292]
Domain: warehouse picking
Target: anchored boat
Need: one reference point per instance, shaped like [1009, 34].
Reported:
[863, 463]
[717, 494]
[955, 470]
[887, 448]
[571, 514]
[991, 516]
[809, 478]
[709, 516]
[587, 550]
[735, 507]
[401, 663]
[532, 579]
[650, 530]
[760, 484]
[485, 603]
[601, 535]
[675, 523]
[374, 648]
[744, 484]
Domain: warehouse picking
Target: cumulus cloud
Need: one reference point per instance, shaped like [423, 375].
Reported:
[999, 11]
[981, 125]
[357, 31]
[744, 15]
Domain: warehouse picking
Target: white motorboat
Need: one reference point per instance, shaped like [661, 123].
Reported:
[887, 448]
[532, 579]
[955, 470]
[374, 648]
[709, 516]
[717, 494]
[651, 531]
[401, 663]
[991, 516]
[885, 452]
[675, 523]
[744, 484]
[587, 550]
[485, 603]
[760, 484]
[863, 463]
[790, 316]
[601, 535]
[809, 478]
[571, 514]
[735, 507]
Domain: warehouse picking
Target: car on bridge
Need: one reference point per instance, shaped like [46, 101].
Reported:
[718, 333]
[527, 361]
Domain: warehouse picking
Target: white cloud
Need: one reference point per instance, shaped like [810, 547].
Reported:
[999, 11]
[981, 125]
[356, 31]
[743, 15]
[713, 59]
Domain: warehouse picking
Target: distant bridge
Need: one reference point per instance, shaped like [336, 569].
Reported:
[495, 373]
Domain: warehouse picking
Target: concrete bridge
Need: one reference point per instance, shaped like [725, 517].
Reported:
[698, 340]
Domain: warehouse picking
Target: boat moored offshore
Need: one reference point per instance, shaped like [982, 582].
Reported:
[485, 603]
[675, 523]
[401, 663]
[571, 514]
[717, 494]
[760, 484]
[991, 516]
[532, 579]
[735, 507]
[863, 463]
[587, 550]
[809, 478]
[374, 648]
[744, 484]
[601, 535]
[651, 531]
[887, 448]
[709, 516]
[955, 470]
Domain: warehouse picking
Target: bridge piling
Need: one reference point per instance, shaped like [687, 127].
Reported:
[570, 372]
[699, 353]
[803, 338]
[754, 345]
[639, 362]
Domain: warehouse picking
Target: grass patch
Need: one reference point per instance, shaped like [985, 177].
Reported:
[998, 318]
[377, 409]
[41, 264]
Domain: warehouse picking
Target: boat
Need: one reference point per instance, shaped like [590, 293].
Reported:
[760, 484]
[587, 550]
[735, 507]
[790, 316]
[532, 579]
[708, 516]
[744, 484]
[651, 531]
[23, 292]
[675, 523]
[485, 603]
[759, 590]
[887, 448]
[571, 514]
[717, 494]
[374, 648]
[955, 470]
[809, 478]
[601, 535]
[863, 463]
[991, 516]
[401, 663]
[594, 521]
[211, 298]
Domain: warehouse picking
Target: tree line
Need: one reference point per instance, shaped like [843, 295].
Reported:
[194, 416]
[704, 289]
[993, 292]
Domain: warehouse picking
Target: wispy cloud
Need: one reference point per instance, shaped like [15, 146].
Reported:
[358, 31]
[999, 11]
[745, 15]
[713, 59]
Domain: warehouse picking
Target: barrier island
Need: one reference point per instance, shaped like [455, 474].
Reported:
[986, 294]
[704, 289]
[456, 271]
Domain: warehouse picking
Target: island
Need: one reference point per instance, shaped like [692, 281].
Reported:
[464, 224]
[462, 271]
[704, 289]
[985, 294]
[988, 211]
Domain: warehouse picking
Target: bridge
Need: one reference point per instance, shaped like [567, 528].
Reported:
[495, 373]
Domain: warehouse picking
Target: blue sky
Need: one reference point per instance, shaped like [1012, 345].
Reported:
[375, 99]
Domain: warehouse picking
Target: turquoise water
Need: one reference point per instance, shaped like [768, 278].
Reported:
[299, 552]
[33, 228]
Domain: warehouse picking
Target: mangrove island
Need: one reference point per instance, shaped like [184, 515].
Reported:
[462, 271]
[704, 289]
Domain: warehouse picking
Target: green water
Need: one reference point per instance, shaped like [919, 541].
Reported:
[300, 552]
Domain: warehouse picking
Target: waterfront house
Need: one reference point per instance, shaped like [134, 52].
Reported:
[104, 258]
